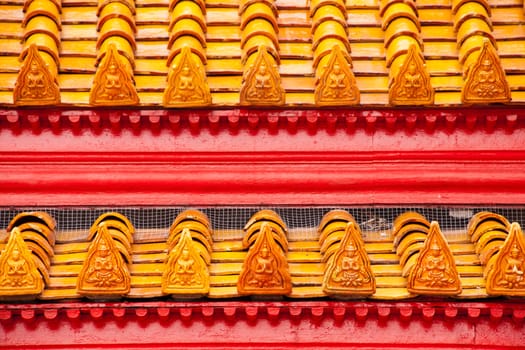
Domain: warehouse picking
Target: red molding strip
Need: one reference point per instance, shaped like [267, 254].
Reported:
[263, 325]
[430, 119]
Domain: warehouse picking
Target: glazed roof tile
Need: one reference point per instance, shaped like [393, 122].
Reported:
[392, 252]
[449, 33]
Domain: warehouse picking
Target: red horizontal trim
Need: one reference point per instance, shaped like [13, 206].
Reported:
[138, 119]
[263, 325]
[401, 182]
[261, 157]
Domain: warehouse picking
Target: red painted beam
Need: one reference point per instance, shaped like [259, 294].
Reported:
[262, 325]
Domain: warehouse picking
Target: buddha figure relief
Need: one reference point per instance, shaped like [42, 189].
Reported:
[186, 271]
[113, 83]
[337, 85]
[35, 84]
[18, 272]
[411, 85]
[485, 79]
[187, 85]
[435, 270]
[261, 82]
[506, 274]
[265, 269]
[513, 267]
[104, 271]
[348, 271]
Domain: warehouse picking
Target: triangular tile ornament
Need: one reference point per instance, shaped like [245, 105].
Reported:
[411, 86]
[486, 81]
[265, 268]
[113, 84]
[507, 274]
[261, 84]
[35, 84]
[349, 271]
[187, 84]
[18, 271]
[104, 272]
[435, 271]
[185, 270]
[337, 85]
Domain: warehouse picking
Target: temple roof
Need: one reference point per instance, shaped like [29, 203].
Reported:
[447, 41]
[476, 246]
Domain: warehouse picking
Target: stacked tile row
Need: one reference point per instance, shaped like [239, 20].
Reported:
[450, 37]
[194, 261]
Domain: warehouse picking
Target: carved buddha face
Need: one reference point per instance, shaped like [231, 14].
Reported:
[350, 250]
[265, 252]
[15, 255]
[337, 68]
[412, 68]
[435, 250]
[103, 249]
[34, 68]
[185, 253]
[262, 69]
[515, 252]
[486, 65]
[112, 69]
[185, 70]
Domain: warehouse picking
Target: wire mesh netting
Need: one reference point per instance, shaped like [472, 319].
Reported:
[152, 223]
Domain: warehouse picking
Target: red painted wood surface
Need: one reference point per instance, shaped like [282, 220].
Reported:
[263, 325]
[252, 157]
[338, 157]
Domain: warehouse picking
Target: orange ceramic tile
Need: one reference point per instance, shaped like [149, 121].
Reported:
[259, 27]
[115, 10]
[259, 10]
[200, 3]
[187, 27]
[122, 45]
[330, 29]
[252, 45]
[192, 43]
[116, 27]
[399, 46]
[324, 48]
[245, 4]
[488, 237]
[187, 10]
[397, 9]
[315, 5]
[471, 27]
[42, 8]
[402, 27]
[471, 10]
[470, 46]
[328, 12]
[103, 3]
[44, 25]
[457, 5]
